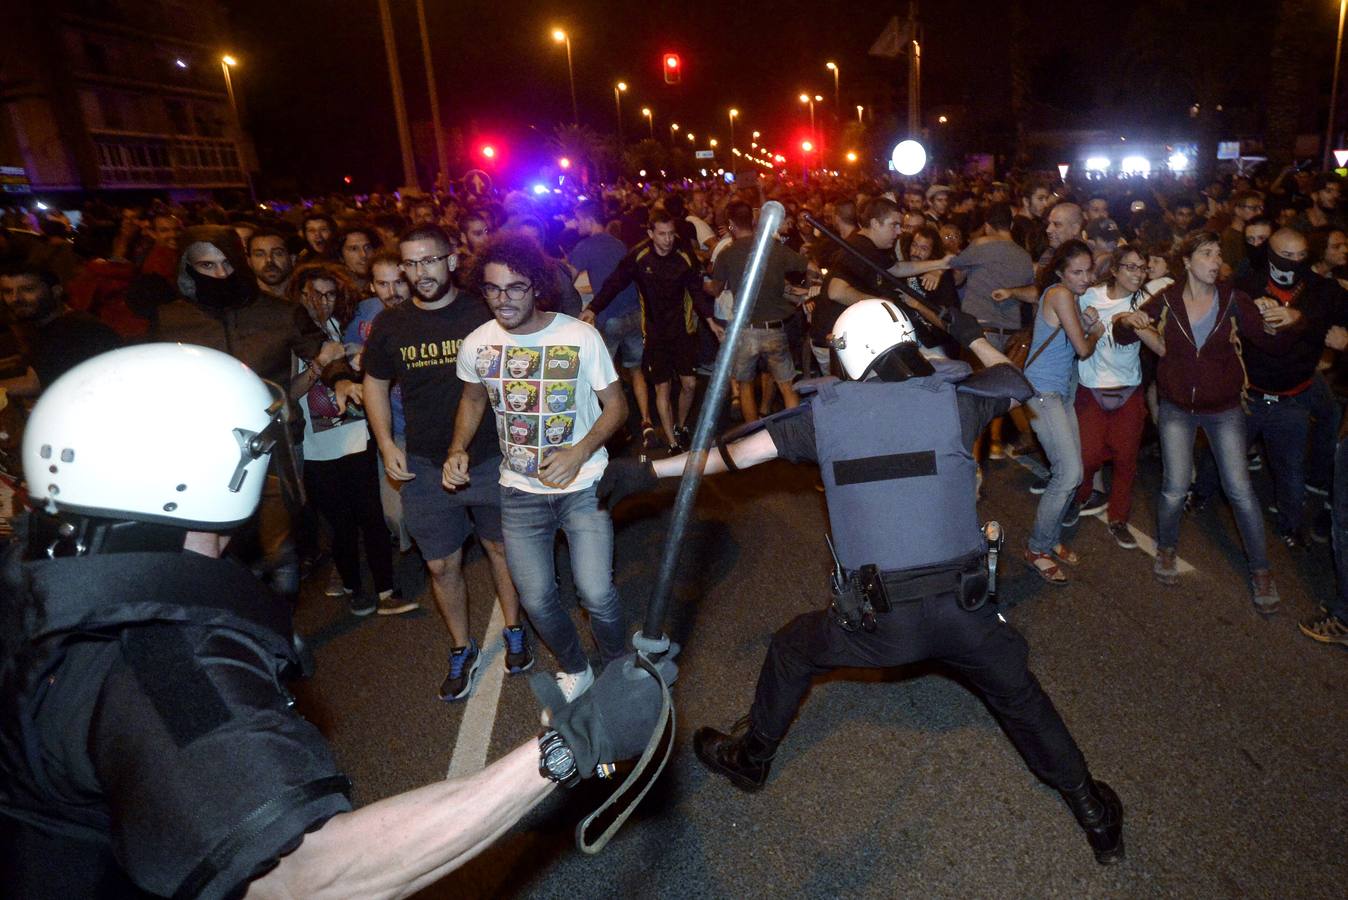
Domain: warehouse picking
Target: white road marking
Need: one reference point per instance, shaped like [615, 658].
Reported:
[1145, 543]
[470, 748]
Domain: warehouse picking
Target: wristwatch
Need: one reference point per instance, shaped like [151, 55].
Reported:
[556, 762]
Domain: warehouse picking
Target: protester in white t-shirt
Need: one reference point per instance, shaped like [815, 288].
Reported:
[551, 384]
[1110, 406]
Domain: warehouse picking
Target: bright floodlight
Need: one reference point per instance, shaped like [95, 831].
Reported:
[909, 157]
[540, 189]
[1136, 165]
[1178, 162]
[1097, 164]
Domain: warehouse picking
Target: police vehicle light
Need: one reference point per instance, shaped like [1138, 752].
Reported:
[540, 189]
[564, 162]
[909, 157]
[1097, 164]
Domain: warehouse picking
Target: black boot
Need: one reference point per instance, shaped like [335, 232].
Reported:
[1100, 814]
[744, 756]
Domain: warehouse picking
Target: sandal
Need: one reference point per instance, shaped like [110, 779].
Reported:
[1044, 566]
[1065, 555]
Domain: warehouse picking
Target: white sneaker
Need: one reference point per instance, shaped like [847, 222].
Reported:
[572, 685]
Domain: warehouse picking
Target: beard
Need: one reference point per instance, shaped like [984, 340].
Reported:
[439, 292]
[271, 275]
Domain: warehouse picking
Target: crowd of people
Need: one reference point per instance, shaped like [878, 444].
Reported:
[1143, 312]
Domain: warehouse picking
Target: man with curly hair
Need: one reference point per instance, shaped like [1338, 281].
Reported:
[548, 479]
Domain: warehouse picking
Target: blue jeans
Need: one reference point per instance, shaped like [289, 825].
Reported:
[1226, 436]
[530, 523]
[1338, 604]
[1054, 421]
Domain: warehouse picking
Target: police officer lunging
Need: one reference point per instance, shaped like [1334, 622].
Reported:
[898, 438]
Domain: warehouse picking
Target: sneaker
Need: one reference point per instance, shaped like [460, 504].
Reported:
[1166, 567]
[335, 587]
[1254, 462]
[573, 684]
[650, 438]
[518, 657]
[1098, 501]
[361, 604]
[682, 436]
[1326, 628]
[393, 603]
[1039, 485]
[1295, 540]
[1072, 516]
[463, 664]
[1122, 535]
[1317, 490]
[1194, 502]
[1265, 592]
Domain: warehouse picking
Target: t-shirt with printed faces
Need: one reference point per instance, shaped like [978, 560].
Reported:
[542, 387]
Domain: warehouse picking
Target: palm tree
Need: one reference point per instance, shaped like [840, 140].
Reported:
[582, 146]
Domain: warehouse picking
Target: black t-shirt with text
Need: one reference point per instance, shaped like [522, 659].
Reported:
[419, 349]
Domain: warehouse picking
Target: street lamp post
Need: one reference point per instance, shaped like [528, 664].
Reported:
[859, 109]
[734, 114]
[227, 62]
[618, 107]
[562, 37]
[673, 132]
[833, 67]
[1334, 86]
[650, 119]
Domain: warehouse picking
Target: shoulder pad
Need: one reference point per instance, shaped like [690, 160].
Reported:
[741, 431]
[1000, 382]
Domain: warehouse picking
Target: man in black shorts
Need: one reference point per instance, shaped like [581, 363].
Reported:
[672, 300]
[417, 344]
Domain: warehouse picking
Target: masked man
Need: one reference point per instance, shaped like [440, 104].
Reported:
[898, 435]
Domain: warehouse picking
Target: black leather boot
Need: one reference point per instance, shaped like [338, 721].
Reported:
[1100, 814]
[742, 756]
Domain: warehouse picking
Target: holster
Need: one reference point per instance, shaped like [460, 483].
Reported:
[848, 606]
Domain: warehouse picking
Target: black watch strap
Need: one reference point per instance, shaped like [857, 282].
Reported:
[556, 762]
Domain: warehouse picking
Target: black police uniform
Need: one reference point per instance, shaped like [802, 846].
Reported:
[147, 746]
[899, 478]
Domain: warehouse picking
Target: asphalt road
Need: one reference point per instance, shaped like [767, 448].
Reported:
[1224, 733]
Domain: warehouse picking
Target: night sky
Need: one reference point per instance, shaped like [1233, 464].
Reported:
[316, 91]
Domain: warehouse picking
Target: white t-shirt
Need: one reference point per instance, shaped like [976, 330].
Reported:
[1111, 365]
[705, 234]
[327, 435]
[542, 388]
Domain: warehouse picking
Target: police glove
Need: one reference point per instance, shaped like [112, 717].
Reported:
[964, 328]
[624, 477]
[615, 718]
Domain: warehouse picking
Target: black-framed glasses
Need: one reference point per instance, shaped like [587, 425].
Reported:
[411, 265]
[325, 296]
[515, 291]
[1132, 267]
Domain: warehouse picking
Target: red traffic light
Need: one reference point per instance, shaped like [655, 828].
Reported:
[673, 68]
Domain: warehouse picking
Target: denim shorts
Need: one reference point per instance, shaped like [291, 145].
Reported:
[622, 337]
[440, 520]
[770, 344]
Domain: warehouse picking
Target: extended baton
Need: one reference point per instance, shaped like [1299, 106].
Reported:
[894, 281]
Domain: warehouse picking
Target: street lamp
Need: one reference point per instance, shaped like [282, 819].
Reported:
[859, 109]
[650, 120]
[562, 37]
[228, 62]
[805, 98]
[942, 119]
[618, 107]
[734, 114]
[689, 135]
[851, 156]
[712, 142]
[833, 67]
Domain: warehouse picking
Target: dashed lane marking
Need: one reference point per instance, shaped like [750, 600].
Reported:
[479, 717]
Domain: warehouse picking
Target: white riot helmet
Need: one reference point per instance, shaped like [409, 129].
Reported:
[875, 337]
[168, 434]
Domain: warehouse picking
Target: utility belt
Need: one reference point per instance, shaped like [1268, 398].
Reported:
[859, 596]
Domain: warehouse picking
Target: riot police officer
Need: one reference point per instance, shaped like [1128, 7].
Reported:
[147, 746]
[899, 435]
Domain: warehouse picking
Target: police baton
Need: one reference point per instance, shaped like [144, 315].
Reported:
[887, 276]
[652, 639]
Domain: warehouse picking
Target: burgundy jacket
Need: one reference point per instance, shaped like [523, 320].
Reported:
[1209, 378]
